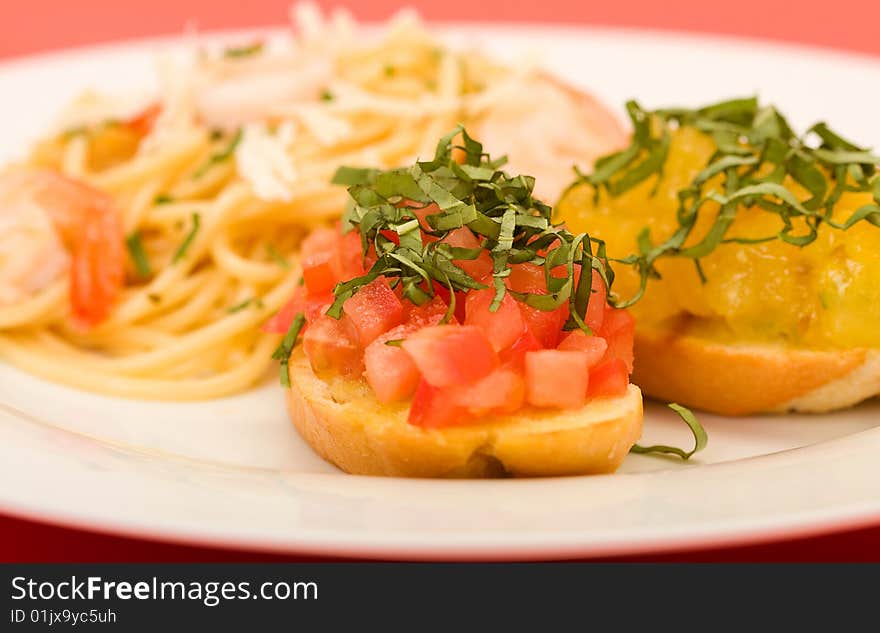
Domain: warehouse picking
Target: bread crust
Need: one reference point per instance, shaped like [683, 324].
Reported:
[348, 427]
[743, 379]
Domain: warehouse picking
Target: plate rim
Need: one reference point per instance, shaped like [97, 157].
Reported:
[454, 545]
[853, 518]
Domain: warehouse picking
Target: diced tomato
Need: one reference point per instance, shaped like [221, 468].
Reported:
[372, 310]
[430, 313]
[319, 241]
[619, 330]
[596, 307]
[557, 378]
[594, 346]
[390, 371]
[310, 306]
[451, 354]
[328, 345]
[561, 271]
[348, 259]
[527, 278]
[463, 238]
[317, 270]
[608, 379]
[391, 235]
[460, 300]
[545, 325]
[422, 214]
[502, 391]
[432, 409]
[504, 326]
[515, 356]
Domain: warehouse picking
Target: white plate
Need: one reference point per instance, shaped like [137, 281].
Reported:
[233, 472]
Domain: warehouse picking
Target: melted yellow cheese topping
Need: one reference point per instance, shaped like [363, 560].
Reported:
[823, 295]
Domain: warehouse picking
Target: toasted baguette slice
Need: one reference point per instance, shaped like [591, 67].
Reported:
[741, 379]
[345, 424]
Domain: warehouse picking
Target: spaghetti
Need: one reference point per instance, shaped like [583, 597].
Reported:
[217, 183]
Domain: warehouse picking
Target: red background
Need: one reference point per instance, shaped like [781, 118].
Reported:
[37, 25]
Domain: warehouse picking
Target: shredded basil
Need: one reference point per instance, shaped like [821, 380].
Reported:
[277, 257]
[238, 307]
[701, 438]
[223, 155]
[188, 240]
[138, 254]
[513, 226]
[283, 351]
[244, 51]
[757, 154]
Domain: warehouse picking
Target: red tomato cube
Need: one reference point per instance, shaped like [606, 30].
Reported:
[460, 300]
[391, 235]
[431, 408]
[451, 354]
[594, 346]
[317, 270]
[430, 313]
[516, 354]
[372, 310]
[463, 237]
[502, 391]
[329, 346]
[545, 325]
[557, 378]
[422, 214]
[348, 257]
[504, 326]
[619, 330]
[527, 278]
[596, 307]
[609, 379]
[389, 370]
[311, 306]
[319, 241]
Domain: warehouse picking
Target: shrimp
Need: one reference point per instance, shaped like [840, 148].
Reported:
[51, 225]
[566, 127]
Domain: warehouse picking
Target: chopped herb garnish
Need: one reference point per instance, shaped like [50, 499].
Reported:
[277, 257]
[187, 241]
[163, 198]
[138, 254]
[238, 307]
[513, 226]
[244, 51]
[154, 297]
[326, 95]
[758, 155]
[395, 342]
[219, 157]
[701, 438]
[216, 134]
[390, 70]
[282, 352]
